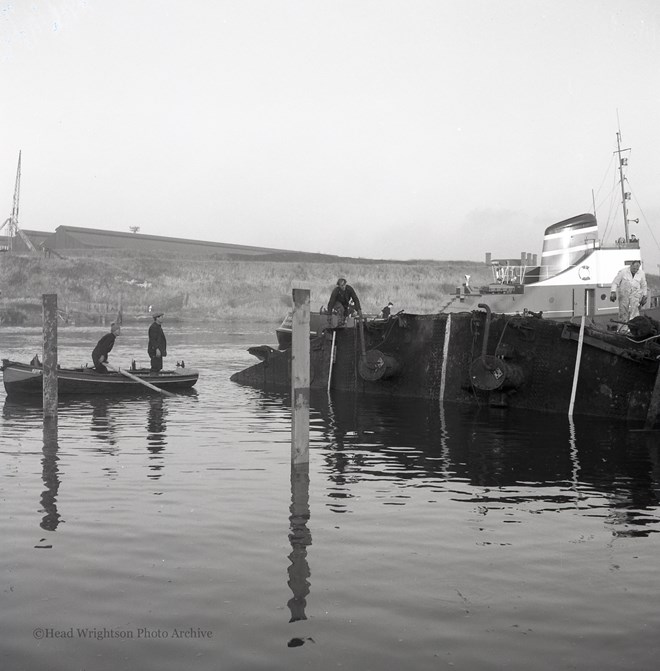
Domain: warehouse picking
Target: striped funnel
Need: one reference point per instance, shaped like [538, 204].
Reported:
[566, 243]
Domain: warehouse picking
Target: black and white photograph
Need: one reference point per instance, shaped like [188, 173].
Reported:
[329, 335]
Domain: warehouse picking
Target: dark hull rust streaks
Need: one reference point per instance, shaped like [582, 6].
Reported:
[537, 357]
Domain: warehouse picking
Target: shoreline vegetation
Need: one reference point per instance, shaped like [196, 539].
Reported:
[88, 284]
[215, 289]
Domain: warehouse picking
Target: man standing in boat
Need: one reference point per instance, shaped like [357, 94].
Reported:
[630, 287]
[103, 348]
[157, 347]
[343, 300]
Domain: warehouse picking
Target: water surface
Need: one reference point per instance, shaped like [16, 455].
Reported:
[170, 533]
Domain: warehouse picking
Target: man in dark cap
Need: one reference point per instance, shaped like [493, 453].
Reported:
[343, 300]
[103, 348]
[157, 347]
[387, 310]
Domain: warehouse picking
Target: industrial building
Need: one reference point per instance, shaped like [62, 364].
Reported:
[68, 238]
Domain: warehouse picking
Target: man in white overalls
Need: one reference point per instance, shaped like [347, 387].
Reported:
[629, 286]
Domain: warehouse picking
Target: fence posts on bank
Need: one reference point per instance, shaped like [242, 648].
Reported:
[50, 354]
[300, 378]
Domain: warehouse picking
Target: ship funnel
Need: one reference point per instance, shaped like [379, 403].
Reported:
[566, 243]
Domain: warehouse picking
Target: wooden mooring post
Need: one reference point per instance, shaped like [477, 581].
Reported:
[49, 302]
[300, 378]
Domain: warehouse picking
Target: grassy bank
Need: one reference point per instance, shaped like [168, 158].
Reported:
[220, 288]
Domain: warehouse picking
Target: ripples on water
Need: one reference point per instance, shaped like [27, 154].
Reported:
[421, 537]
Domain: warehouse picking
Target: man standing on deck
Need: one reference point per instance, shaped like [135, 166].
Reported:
[629, 286]
[340, 300]
[387, 310]
[157, 347]
[103, 348]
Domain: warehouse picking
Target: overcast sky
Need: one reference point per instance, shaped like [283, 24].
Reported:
[377, 128]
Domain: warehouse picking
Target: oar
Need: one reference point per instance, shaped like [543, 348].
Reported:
[135, 378]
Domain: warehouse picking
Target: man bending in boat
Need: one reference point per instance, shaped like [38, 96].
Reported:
[103, 348]
[630, 287]
[157, 347]
[343, 300]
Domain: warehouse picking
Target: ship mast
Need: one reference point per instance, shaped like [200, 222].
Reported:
[625, 195]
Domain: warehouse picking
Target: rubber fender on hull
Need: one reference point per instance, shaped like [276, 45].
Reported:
[489, 373]
[374, 365]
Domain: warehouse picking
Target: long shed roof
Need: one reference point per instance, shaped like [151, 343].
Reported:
[74, 237]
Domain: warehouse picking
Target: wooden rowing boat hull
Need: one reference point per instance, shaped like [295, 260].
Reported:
[26, 380]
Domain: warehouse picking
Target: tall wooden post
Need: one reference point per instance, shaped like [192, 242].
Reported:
[50, 355]
[300, 378]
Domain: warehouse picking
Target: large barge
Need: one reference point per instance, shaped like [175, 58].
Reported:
[476, 357]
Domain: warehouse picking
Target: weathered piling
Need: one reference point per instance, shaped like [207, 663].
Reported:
[49, 302]
[300, 377]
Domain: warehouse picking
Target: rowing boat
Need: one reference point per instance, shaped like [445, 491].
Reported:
[21, 379]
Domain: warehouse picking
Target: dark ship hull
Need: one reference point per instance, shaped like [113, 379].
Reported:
[474, 358]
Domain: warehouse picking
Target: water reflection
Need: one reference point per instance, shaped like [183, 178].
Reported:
[156, 434]
[21, 415]
[103, 426]
[28, 410]
[490, 456]
[300, 538]
[636, 493]
[109, 415]
[50, 475]
[108, 418]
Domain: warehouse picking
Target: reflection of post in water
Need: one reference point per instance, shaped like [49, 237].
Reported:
[156, 427]
[50, 475]
[299, 537]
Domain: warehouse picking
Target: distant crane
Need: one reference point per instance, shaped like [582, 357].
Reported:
[12, 222]
[133, 229]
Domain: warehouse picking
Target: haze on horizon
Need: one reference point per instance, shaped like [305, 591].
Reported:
[391, 129]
